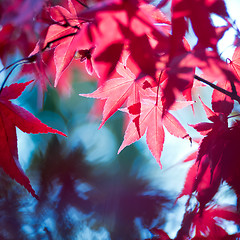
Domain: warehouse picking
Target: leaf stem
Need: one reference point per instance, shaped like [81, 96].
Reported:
[48, 233]
[5, 80]
[55, 40]
[232, 95]
[30, 59]
[158, 86]
[237, 115]
[12, 64]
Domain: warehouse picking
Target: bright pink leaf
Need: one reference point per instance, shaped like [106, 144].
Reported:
[62, 35]
[151, 122]
[123, 23]
[117, 91]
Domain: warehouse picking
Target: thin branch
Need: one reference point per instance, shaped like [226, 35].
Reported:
[30, 59]
[232, 95]
[23, 60]
[66, 22]
[83, 4]
[158, 86]
[233, 24]
[33, 58]
[237, 115]
[55, 40]
[5, 80]
[48, 233]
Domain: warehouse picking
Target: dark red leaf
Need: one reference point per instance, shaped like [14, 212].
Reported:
[12, 116]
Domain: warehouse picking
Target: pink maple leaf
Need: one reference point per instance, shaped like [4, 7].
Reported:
[151, 122]
[119, 90]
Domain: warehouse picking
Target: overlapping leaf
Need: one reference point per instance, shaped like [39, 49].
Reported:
[150, 121]
[199, 14]
[62, 35]
[205, 175]
[207, 224]
[181, 75]
[130, 25]
[230, 159]
[119, 90]
[204, 225]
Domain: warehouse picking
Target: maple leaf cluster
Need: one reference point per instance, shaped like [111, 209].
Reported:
[145, 68]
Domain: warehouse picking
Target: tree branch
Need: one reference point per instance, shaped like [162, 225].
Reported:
[5, 80]
[30, 59]
[48, 45]
[232, 95]
[83, 4]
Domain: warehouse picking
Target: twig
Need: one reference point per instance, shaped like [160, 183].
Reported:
[232, 95]
[30, 59]
[55, 40]
[83, 4]
[5, 80]
[48, 233]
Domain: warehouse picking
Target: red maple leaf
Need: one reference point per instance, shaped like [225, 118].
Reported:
[151, 121]
[213, 144]
[207, 224]
[181, 74]
[180, 79]
[205, 175]
[198, 12]
[144, 108]
[117, 24]
[201, 180]
[61, 35]
[12, 116]
[230, 159]
[198, 225]
[155, 13]
[119, 90]
[217, 157]
[218, 121]
[214, 69]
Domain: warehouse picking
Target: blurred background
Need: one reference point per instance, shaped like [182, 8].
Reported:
[86, 190]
